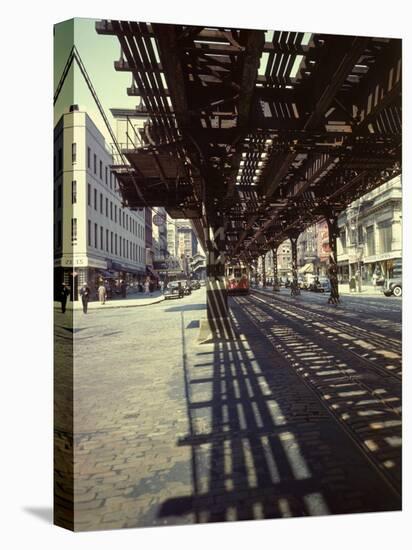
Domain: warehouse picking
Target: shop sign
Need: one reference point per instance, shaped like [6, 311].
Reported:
[159, 220]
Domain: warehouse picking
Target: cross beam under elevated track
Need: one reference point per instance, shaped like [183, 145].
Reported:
[254, 134]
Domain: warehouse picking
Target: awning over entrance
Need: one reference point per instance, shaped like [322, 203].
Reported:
[307, 268]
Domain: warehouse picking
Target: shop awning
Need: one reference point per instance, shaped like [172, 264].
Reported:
[307, 268]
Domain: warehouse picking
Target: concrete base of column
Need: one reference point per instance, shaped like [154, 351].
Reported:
[215, 330]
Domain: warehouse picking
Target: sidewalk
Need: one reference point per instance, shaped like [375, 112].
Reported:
[133, 300]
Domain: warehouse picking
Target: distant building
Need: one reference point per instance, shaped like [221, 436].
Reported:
[95, 237]
[187, 240]
[198, 266]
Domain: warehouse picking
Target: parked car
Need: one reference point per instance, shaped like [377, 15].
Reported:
[393, 284]
[173, 291]
[309, 281]
[195, 285]
[322, 284]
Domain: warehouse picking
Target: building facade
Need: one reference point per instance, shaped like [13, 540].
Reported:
[95, 237]
[371, 233]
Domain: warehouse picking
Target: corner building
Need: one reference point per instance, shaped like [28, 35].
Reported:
[95, 237]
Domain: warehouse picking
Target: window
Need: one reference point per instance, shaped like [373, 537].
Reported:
[131, 251]
[95, 199]
[127, 222]
[360, 234]
[59, 233]
[111, 210]
[111, 242]
[385, 236]
[107, 207]
[74, 152]
[111, 184]
[88, 157]
[60, 160]
[89, 232]
[343, 239]
[101, 203]
[95, 164]
[107, 240]
[89, 192]
[115, 243]
[59, 196]
[74, 192]
[105, 175]
[115, 213]
[370, 240]
[101, 237]
[101, 170]
[95, 235]
[120, 246]
[74, 229]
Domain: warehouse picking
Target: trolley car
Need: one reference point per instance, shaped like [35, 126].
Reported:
[237, 278]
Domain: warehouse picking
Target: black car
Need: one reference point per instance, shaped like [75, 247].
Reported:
[172, 291]
[194, 285]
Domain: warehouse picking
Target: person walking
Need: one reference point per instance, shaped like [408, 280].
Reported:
[162, 286]
[375, 278]
[85, 293]
[123, 288]
[146, 286]
[64, 293]
[102, 294]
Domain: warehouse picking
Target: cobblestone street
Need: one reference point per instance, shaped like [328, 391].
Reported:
[299, 416]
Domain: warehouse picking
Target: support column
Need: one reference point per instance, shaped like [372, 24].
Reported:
[276, 286]
[333, 231]
[218, 320]
[293, 237]
[256, 262]
[264, 270]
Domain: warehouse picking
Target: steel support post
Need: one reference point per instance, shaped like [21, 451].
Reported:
[264, 270]
[276, 286]
[293, 237]
[333, 231]
[216, 293]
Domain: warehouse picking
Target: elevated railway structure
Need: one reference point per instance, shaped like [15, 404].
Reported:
[255, 135]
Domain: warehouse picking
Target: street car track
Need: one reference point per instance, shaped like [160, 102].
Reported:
[391, 345]
[354, 429]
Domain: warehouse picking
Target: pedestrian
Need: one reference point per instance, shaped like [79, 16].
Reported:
[64, 293]
[146, 286]
[123, 287]
[180, 289]
[162, 285]
[102, 294]
[151, 286]
[352, 284]
[85, 293]
[375, 278]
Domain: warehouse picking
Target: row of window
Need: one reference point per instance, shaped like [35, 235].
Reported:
[112, 211]
[111, 242]
[97, 165]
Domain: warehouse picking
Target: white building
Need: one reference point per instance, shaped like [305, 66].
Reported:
[371, 233]
[95, 238]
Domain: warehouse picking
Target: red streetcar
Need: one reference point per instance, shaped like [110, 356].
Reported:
[237, 278]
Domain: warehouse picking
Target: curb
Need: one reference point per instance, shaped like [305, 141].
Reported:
[120, 306]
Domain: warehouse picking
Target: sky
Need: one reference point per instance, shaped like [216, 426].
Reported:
[98, 53]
